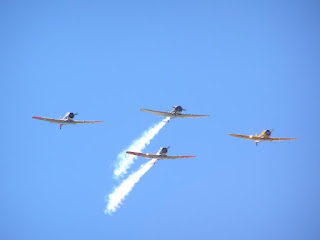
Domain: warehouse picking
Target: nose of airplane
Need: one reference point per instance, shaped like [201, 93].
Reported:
[179, 108]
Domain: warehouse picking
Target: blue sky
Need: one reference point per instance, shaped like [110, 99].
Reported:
[252, 65]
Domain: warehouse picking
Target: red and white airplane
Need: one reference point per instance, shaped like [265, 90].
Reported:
[160, 155]
[264, 136]
[66, 120]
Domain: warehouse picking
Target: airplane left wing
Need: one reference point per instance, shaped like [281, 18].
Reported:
[79, 122]
[190, 116]
[175, 157]
[281, 139]
[153, 156]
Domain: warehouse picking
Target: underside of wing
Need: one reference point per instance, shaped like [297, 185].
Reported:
[249, 137]
[281, 139]
[145, 155]
[191, 116]
[153, 156]
[164, 114]
[84, 122]
[52, 120]
[175, 157]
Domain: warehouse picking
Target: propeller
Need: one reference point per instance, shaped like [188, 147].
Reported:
[269, 132]
[71, 114]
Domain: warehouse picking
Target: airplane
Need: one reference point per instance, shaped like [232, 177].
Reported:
[264, 136]
[174, 113]
[160, 155]
[66, 120]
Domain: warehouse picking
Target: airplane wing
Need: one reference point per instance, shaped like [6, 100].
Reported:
[167, 114]
[153, 156]
[61, 121]
[79, 122]
[190, 116]
[52, 120]
[281, 139]
[164, 114]
[249, 137]
[259, 138]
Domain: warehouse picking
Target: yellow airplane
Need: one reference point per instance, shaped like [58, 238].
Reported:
[264, 136]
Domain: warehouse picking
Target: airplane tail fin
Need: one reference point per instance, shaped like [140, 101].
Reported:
[256, 135]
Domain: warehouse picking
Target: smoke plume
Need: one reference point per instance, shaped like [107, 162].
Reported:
[124, 161]
[115, 199]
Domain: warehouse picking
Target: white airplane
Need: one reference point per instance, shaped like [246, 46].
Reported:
[174, 113]
[160, 155]
[66, 120]
[264, 136]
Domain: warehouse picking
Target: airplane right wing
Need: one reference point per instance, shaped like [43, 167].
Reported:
[164, 114]
[145, 155]
[52, 120]
[245, 136]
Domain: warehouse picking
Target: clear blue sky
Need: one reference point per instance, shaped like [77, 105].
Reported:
[251, 65]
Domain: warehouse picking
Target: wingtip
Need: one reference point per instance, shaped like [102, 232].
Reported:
[35, 117]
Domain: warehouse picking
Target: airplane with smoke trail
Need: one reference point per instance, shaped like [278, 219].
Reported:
[160, 155]
[66, 120]
[174, 113]
[124, 161]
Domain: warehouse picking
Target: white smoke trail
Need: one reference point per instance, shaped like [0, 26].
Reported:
[124, 161]
[119, 194]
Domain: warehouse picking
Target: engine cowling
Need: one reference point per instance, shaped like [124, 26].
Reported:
[268, 132]
[179, 108]
[71, 115]
[164, 150]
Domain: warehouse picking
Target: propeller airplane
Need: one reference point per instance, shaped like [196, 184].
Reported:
[68, 119]
[264, 136]
[174, 113]
[160, 155]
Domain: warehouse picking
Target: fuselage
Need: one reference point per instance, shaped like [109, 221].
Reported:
[69, 117]
[265, 134]
[176, 110]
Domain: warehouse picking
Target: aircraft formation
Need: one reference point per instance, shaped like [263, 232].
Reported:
[176, 112]
[119, 193]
